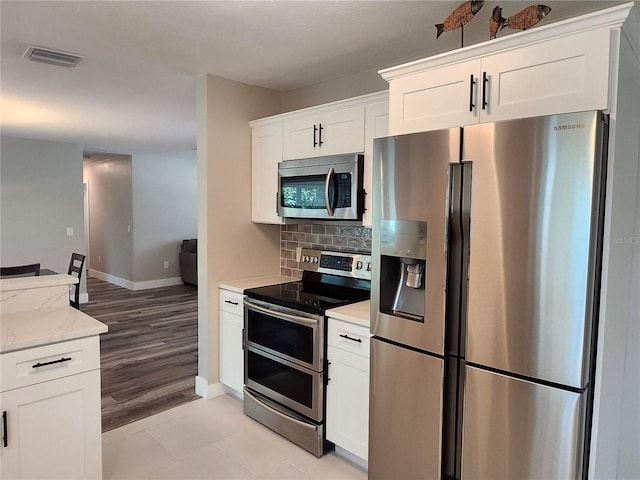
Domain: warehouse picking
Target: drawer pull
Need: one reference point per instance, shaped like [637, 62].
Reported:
[63, 359]
[345, 336]
[5, 433]
[232, 303]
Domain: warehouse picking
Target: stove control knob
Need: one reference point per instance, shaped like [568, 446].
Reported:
[368, 266]
[358, 265]
[314, 259]
[305, 258]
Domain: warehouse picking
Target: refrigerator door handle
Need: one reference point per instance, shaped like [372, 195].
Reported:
[458, 257]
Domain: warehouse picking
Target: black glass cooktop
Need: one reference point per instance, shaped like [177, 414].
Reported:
[315, 293]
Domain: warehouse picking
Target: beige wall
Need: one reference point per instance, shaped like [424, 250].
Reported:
[110, 215]
[230, 246]
[354, 85]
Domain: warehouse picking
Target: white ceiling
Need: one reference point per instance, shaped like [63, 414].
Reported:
[134, 91]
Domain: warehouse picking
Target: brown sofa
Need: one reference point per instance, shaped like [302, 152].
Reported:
[188, 258]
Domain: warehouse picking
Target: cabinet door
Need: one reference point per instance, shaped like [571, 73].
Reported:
[324, 133]
[53, 429]
[376, 124]
[348, 401]
[266, 152]
[231, 358]
[435, 99]
[568, 74]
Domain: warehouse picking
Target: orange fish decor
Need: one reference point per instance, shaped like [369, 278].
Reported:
[460, 16]
[524, 19]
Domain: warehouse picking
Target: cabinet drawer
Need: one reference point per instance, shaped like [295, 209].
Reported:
[231, 302]
[349, 337]
[48, 362]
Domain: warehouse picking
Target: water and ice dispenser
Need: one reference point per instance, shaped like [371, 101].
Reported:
[403, 268]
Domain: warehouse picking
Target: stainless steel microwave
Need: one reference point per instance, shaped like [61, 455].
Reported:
[322, 188]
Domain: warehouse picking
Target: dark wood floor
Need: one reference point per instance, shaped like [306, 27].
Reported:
[149, 357]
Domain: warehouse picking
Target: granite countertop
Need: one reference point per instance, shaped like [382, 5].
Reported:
[239, 286]
[357, 313]
[34, 328]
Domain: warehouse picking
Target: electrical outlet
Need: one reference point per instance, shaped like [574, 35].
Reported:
[69, 231]
[298, 253]
[166, 264]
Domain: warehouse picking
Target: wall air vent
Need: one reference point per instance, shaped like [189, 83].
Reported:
[54, 57]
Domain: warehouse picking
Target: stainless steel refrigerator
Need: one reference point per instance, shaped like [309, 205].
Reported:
[486, 246]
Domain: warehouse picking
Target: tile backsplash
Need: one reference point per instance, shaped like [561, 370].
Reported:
[338, 238]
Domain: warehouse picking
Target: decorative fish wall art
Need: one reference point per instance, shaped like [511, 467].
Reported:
[460, 16]
[524, 19]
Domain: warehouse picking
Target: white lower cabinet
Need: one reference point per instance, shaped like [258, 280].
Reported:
[51, 429]
[347, 420]
[231, 353]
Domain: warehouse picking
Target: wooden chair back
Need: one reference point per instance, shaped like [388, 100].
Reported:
[21, 270]
[76, 265]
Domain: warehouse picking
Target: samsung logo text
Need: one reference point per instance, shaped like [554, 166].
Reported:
[568, 127]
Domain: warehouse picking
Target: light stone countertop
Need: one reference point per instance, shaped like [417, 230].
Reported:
[41, 281]
[239, 286]
[356, 313]
[33, 328]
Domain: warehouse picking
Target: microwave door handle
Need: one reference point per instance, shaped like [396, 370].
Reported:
[327, 200]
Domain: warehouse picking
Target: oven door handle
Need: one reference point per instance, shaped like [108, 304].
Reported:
[330, 209]
[285, 316]
[280, 414]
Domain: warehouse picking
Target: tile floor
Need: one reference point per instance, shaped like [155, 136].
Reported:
[212, 439]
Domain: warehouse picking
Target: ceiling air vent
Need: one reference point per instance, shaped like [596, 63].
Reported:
[54, 57]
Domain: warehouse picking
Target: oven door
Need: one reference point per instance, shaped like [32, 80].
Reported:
[320, 191]
[287, 383]
[291, 335]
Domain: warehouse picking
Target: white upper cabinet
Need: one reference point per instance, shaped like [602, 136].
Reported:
[343, 127]
[567, 74]
[324, 133]
[376, 125]
[538, 72]
[434, 99]
[266, 152]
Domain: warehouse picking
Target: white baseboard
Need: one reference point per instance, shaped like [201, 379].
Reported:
[163, 282]
[361, 462]
[206, 390]
[105, 277]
